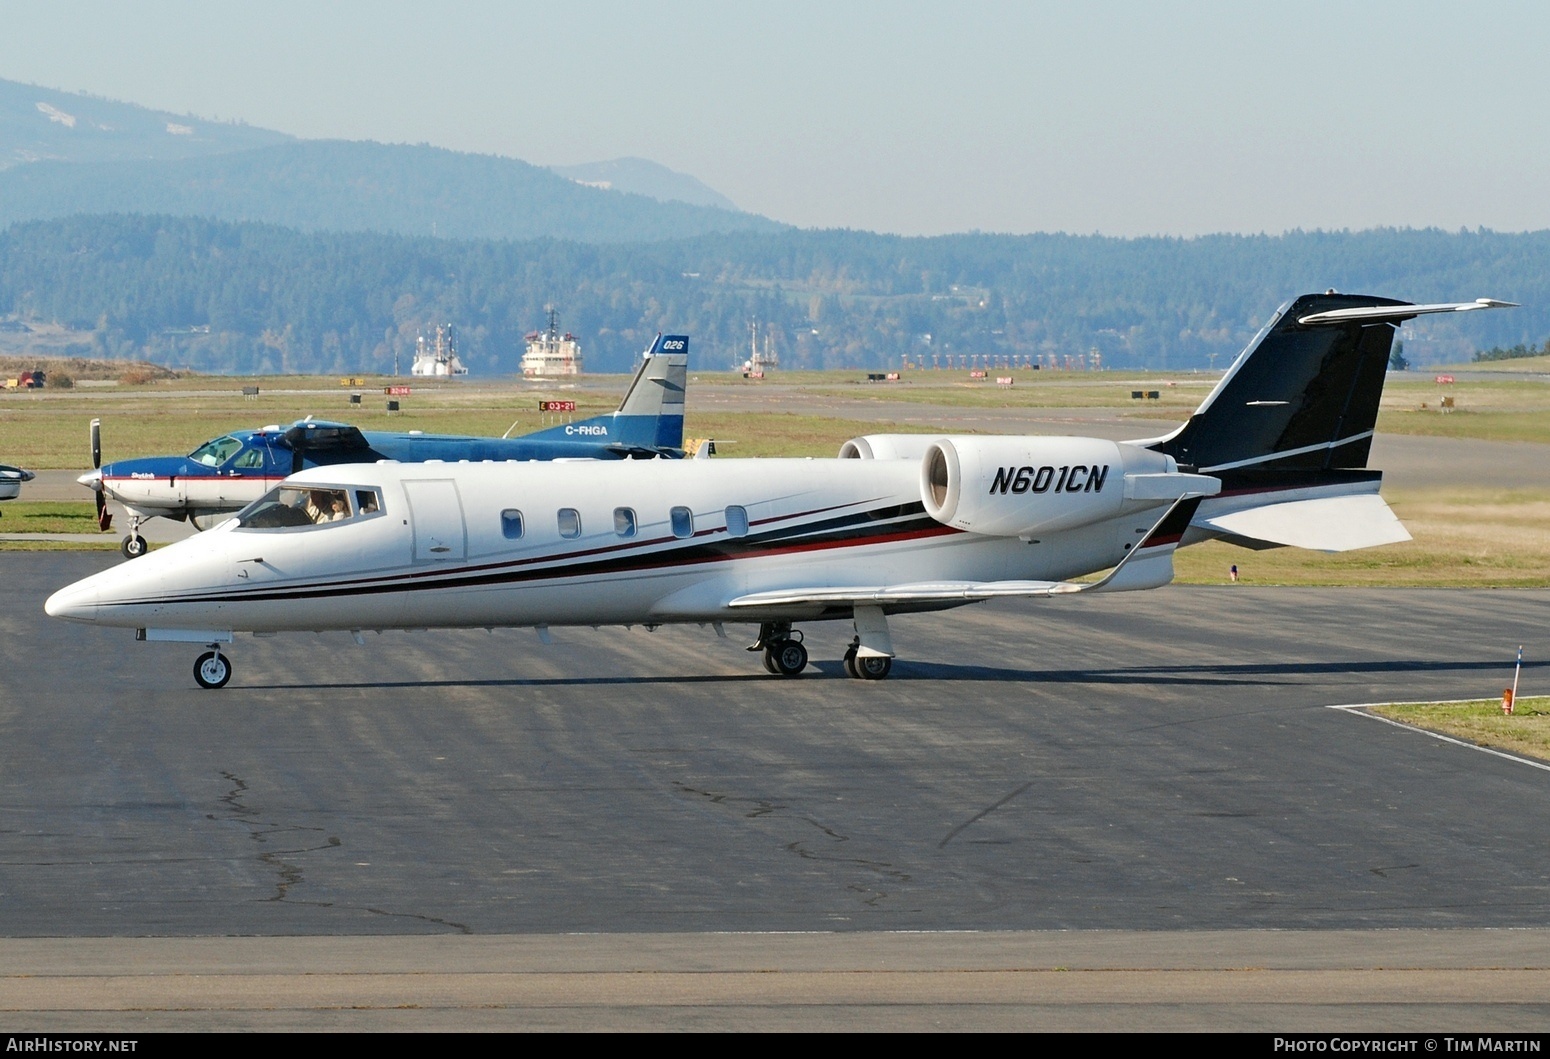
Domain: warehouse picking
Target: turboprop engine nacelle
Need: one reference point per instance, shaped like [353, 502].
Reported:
[1013, 487]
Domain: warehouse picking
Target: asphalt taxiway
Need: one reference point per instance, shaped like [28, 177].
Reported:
[1154, 780]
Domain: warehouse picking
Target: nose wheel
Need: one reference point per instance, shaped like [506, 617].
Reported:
[212, 670]
[133, 546]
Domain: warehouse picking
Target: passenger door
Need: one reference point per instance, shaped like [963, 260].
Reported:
[436, 514]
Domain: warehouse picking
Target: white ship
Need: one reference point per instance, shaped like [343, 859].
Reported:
[437, 356]
[550, 353]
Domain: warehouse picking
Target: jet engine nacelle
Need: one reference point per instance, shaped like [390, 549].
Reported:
[887, 447]
[1013, 487]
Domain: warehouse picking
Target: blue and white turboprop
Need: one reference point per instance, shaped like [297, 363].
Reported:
[1275, 455]
[228, 473]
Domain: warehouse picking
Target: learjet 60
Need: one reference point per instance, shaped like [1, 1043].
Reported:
[1276, 455]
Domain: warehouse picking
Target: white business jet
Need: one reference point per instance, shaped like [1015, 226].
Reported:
[1276, 455]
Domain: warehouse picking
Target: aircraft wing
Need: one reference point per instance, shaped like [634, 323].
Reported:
[1147, 565]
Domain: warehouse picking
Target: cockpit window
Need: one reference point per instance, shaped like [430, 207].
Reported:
[214, 453]
[253, 459]
[291, 505]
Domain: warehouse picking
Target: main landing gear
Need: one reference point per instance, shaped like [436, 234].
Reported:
[869, 656]
[784, 655]
[866, 667]
[213, 669]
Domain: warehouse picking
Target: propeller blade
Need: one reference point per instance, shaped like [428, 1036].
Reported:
[104, 518]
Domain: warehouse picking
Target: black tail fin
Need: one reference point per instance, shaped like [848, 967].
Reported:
[1300, 397]
[1304, 395]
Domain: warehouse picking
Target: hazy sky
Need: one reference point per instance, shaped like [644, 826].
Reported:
[919, 118]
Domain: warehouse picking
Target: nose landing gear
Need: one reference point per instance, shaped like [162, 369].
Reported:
[133, 546]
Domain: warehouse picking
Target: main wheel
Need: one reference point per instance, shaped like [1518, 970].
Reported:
[850, 662]
[133, 546]
[212, 670]
[790, 657]
[769, 661]
[872, 667]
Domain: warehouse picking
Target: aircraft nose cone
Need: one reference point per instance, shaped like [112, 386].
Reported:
[91, 479]
[75, 602]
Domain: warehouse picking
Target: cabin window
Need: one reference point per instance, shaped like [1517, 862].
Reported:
[511, 524]
[737, 521]
[293, 506]
[570, 523]
[214, 453]
[683, 522]
[624, 521]
[253, 459]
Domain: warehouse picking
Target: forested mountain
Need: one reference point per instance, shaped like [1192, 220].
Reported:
[334, 185]
[63, 153]
[639, 176]
[259, 298]
[45, 124]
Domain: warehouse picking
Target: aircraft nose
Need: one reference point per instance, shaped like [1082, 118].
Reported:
[77, 602]
[92, 479]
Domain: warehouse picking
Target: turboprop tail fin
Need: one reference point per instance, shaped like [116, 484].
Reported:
[650, 419]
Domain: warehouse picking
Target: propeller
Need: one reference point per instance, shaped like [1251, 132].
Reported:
[104, 517]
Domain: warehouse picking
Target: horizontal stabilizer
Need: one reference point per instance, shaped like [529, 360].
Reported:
[1325, 524]
[1398, 313]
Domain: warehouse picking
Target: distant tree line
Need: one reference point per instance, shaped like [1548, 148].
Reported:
[244, 297]
[1513, 352]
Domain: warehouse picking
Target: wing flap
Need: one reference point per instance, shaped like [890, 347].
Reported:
[920, 592]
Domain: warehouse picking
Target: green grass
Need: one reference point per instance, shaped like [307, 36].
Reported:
[1488, 410]
[1464, 538]
[1526, 731]
[29, 516]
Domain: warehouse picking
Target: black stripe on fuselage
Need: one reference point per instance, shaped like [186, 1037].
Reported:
[877, 526]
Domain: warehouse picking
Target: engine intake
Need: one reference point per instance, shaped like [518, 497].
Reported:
[1017, 486]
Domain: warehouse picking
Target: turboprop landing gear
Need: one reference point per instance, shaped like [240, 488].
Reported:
[784, 655]
[212, 670]
[133, 546]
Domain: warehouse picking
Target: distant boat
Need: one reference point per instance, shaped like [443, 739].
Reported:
[550, 353]
[438, 357]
